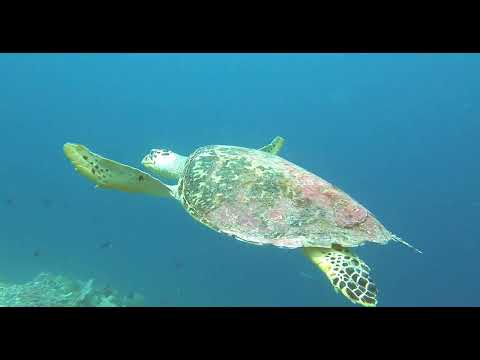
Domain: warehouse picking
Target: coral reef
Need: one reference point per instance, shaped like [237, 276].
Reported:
[48, 290]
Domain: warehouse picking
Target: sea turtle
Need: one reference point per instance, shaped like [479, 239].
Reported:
[258, 197]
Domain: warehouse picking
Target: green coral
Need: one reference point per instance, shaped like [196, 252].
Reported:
[48, 290]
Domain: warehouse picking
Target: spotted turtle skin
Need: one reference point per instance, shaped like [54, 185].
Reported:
[261, 198]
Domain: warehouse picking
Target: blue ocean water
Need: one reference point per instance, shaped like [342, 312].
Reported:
[398, 132]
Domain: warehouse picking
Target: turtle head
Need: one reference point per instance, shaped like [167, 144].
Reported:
[165, 163]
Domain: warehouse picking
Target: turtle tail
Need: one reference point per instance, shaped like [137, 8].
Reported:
[397, 239]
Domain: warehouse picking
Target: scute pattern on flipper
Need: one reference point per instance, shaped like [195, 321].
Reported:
[109, 174]
[87, 164]
[347, 273]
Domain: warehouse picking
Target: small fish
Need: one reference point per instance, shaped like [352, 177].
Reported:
[106, 244]
[37, 253]
[107, 290]
[305, 275]
[9, 202]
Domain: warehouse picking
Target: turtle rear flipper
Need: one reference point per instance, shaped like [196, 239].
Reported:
[109, 174]
[347, 273]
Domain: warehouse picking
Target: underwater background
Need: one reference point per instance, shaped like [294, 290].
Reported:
[397, 132]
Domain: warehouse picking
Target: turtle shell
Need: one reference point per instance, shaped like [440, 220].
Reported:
[262, 198]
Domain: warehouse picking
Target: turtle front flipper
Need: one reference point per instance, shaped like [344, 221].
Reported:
[109, 174]
[347, 273]
[275, 146]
